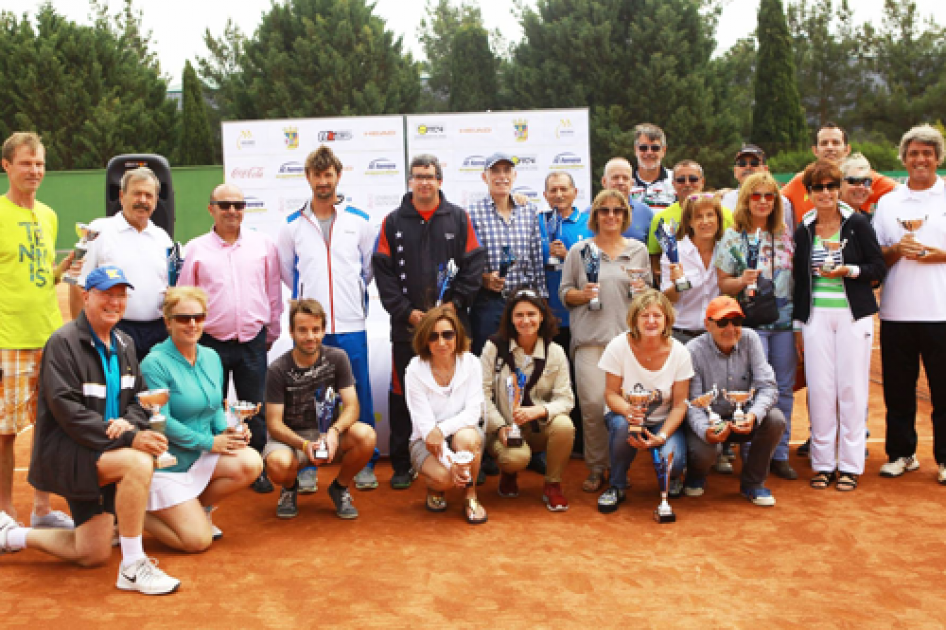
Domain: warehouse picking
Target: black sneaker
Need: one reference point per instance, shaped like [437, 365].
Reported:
[341, 497]
[401, 481]
[489, 465]
[610, 499]
[287, 508]
[262, 485]
[538, 463]
[804, 449]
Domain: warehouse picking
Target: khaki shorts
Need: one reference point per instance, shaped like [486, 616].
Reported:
[419, 452]
[301, 458]
[19, 389]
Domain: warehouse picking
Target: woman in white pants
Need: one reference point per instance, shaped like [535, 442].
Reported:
[837, 261]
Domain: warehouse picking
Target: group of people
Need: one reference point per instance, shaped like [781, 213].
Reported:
[516, 336]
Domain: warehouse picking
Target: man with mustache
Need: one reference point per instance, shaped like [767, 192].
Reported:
[129, 240]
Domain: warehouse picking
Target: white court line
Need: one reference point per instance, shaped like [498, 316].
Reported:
[27, 428]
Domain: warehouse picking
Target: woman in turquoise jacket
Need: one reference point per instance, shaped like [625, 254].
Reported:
[212, 459]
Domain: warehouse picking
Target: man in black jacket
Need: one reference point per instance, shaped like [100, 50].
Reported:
[416, 241]
[92, 445]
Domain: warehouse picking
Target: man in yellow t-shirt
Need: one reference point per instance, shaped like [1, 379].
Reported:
[29, 311]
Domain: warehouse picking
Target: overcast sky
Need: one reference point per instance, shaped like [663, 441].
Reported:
[177, 26]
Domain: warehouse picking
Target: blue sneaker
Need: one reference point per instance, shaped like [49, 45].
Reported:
[694, 487]
[759, 496]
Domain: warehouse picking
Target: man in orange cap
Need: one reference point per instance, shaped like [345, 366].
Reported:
[731, 359]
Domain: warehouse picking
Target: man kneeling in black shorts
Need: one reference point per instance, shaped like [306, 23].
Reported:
[92, 445]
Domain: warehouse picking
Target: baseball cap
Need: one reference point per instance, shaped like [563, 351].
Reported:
[496, 158]
[104, 278]
[723, 306]
[751, 149]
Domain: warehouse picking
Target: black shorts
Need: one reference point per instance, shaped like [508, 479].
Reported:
[85, 511]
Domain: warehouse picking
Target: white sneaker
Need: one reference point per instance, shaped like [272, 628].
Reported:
[899, 466]
[145, 577]
[942, 474]
[215, 531]
[6, 524]
[53, 520]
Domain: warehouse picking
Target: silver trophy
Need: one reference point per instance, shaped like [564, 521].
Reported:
[153, 400]
[753, 245]
[831, 248]
[705, 402]
[553, 230]
[639, 398]
[912, 226]
[326, 414]
[635, 273]
[241, 410]
[667, 235]
[514, 394]
[463, 460]
[86, 236]
[445, 277]
[591, 256]
[739, 399]
[662, 466]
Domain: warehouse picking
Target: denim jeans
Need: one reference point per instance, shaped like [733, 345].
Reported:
[622, 453]
[485, 314]
[779, 346]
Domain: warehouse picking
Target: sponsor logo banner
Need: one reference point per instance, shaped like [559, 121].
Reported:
[336, 136]
[245, 140]
[254, 205]
[521, 129]
[382, 166]
[565, 130]
[567, 161]
[247, 172]
[291, 137]
[291, 170]
[473, 164]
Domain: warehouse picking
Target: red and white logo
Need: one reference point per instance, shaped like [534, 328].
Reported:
[252, 172]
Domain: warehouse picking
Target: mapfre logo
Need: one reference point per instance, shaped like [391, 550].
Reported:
[255, 204]
[381, 166]
[567, 161]
[291, 170]
[564, 130]
[245, 140]
[335, 136]
[250, 172]
[528, 192]
[473, 163]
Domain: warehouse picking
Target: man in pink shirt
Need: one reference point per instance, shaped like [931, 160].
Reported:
[239, 270]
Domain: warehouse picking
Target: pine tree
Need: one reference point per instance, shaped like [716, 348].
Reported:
[473, 79]
[196, 145]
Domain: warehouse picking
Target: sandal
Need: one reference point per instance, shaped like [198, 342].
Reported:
[594, 481]
[823, 479]
[846, 482]
[436, 502]
[471, 508]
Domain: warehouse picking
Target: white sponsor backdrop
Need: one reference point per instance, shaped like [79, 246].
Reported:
[266, 159]
[539, 141]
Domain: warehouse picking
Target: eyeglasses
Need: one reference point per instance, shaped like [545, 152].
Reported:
[859, 181]
[744, 163]
[186, 318]
[424, 178]
[239, 206]
[761, 196]
[611, 211]
[824, 187]
[687, 178]
[726, 321]
[446, 335]
[653, 148]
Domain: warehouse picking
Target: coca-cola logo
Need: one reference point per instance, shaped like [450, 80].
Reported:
[252, 172]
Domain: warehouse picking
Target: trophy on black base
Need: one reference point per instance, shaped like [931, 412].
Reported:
[591, 256]
[663, 513]
[506, 261]
[553, 230]
[153, 400]
[753, 245]
[86, 236]
[445, 275]
[325, 410]
[639, 398]
[667, 235]
[514, 388]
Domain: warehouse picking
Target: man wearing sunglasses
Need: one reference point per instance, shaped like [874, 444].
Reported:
[731, 358]
[749, 160]
[239, 270]
[831, 144]
[653, 184]
[131, 241]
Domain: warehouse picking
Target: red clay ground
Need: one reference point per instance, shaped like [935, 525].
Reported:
[874, 558]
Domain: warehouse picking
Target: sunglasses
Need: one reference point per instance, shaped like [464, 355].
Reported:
[446, 335]
[745, 163]
[726, 321]
[859, 181]
[614, 211]
[653, 148]
[239, 206]
[824, 187]
[184, 318]
[761, 196]
[687, 178]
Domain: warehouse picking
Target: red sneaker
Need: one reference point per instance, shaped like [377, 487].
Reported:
[555, 501]
[508, 487]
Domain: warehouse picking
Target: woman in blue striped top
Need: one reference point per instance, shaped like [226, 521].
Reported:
[837, 262]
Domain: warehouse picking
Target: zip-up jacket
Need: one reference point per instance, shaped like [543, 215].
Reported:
[409, 252]
[862, 250]
[336, 273]
[70, 425]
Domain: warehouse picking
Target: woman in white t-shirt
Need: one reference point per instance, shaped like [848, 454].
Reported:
[647, 357]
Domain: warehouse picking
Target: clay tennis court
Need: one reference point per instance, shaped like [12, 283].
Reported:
[874, 558]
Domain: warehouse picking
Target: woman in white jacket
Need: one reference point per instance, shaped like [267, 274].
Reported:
[444, 391]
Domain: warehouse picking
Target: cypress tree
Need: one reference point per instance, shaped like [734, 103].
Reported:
[196, 140]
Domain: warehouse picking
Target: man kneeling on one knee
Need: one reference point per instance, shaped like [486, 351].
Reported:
[731, 358]
[296, 386]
